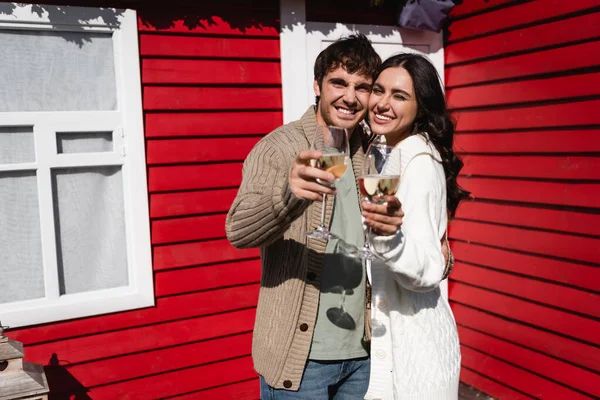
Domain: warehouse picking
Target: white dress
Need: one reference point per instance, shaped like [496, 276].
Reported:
[415, 353]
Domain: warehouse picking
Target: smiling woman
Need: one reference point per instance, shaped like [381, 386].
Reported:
[415, 339]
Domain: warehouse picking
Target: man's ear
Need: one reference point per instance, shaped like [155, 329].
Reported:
[316, 88]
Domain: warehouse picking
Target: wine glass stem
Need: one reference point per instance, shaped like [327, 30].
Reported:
[367, 245]
[322, 225]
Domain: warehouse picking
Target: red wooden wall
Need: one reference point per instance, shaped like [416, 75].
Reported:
[211, 88]
[524, 78]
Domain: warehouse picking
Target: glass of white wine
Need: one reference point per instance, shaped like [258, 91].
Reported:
[332, 142]
[380, 178]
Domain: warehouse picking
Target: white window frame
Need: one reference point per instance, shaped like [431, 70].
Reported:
[126, 123]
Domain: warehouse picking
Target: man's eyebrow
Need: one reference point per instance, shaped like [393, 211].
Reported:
[337, 80]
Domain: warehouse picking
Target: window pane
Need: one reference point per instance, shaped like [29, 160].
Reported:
[56, 71]
[16, 144]
[84, 142]
[21, 268]
[90, 228]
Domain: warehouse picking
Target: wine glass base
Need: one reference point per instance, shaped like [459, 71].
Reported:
[364, 254]
[321, 234]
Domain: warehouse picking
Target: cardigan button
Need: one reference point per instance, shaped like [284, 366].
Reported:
[311, 276]
[287, 384]
[380, 354]
[304, 327]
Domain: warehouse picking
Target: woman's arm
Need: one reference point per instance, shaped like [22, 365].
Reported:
[414, 253]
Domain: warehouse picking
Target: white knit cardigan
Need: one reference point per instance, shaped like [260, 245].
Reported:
[415, 353]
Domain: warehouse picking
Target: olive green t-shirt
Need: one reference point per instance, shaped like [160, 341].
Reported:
[340, 324]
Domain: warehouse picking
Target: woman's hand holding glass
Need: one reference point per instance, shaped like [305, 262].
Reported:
[379, 183]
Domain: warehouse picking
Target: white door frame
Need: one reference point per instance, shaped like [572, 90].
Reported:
[301, 41]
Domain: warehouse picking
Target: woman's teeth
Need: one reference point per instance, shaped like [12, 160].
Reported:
[382, 117]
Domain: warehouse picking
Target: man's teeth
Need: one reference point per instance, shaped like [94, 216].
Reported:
[382, 117]
[345, 111]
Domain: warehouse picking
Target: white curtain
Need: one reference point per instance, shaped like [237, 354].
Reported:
[84, 142]
[21, 268]
[56, 71]
[16, 145]
[90, 228]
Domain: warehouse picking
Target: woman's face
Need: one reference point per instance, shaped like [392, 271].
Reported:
[393, 105]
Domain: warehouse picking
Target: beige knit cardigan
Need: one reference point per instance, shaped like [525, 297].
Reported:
[268, 215]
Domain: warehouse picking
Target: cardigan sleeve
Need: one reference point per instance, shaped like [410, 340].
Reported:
[265, 205]
[414, 253]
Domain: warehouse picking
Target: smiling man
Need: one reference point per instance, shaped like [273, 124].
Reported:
[309, 336]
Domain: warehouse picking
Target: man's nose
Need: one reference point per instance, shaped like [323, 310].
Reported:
[350, 95]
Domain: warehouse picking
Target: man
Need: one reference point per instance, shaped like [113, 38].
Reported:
[309, 335]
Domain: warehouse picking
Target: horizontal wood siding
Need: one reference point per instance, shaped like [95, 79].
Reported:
[211, 83]
[523, 78]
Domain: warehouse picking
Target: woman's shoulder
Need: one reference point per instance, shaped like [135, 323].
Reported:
[418, 145]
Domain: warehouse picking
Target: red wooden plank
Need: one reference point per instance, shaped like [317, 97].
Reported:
[532, 37]
[551, 294]
[174, 151]
[248, 390]
[470, 7]
[202, 98]
[211, 71]
[532, 361]
[557, 346]
[194, 177]
[554, 270]
[161, 361]
[542, 62]
[507, 18]
[546, 167]
[517, 378]
[552, 244]
[198, 46]
[558, 220]
[554, 320]
[114, 344]
[580, 141]
[488, 386]
[563, 194]
[187, 229]
[212, 124]
[209, 277]
[188, 254]
[166, 309]
[569, 114]
[216, 26]
[185, 203]
[523, 92]
[179, 382]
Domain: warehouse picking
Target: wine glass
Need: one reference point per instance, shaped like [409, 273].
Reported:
[380, 178]
[332, 142]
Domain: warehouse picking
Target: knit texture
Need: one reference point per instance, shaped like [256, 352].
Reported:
[266, 214]
[415, 351]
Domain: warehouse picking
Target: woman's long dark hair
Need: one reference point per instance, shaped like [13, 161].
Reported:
[433, 117]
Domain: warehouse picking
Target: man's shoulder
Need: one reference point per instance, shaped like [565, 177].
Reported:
[290, 135]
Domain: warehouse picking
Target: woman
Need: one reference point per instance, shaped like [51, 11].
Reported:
[415, 351]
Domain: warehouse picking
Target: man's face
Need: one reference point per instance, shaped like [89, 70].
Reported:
[344, 98]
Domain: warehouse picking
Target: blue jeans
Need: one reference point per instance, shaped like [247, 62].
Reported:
[326, 380]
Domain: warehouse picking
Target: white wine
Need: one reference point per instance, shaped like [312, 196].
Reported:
[334, 163]
[376, 187]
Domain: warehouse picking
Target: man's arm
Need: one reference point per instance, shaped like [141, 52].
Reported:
[272, 195]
